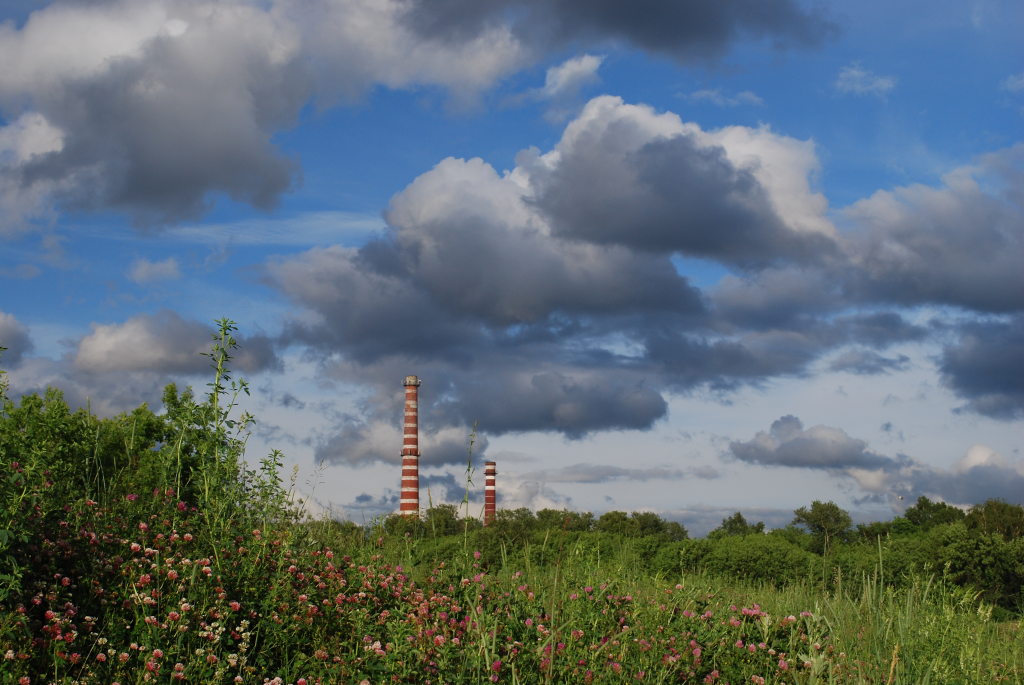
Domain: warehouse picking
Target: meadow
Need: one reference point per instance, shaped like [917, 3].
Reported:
[145, 548]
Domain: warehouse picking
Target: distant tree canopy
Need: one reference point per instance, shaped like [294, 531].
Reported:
[995, 516]
[826, 522]
[736, 525]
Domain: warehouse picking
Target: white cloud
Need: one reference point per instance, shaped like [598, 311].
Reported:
[1014, 83]
[569, 77]
[144, 271]
[716, 97]
[856, 80]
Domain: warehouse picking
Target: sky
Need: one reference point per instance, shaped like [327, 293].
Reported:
[682, 257]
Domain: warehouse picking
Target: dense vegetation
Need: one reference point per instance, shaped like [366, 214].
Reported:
[143, 548]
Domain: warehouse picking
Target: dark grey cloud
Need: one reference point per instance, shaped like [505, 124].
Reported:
[984, 366]
[958, 244]
[568, 402]
[867, 362]
[787, 443]
[969, 486]
[15, 337]
[669, 194]
[794, 296]
[156, 131]
[979, 475]
[517, 324]
[687, 361]
[685, 31]
[604, 473]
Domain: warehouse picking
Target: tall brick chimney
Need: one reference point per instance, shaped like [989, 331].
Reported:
[490, 493]
[409, 504]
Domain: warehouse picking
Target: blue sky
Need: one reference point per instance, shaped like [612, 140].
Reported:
[684, 258]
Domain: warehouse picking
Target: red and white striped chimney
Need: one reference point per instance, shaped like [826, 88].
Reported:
[490, 493]
[409, 504]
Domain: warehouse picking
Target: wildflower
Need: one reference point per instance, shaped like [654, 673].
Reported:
[131, 497]
[496, 666]
[476, 555]
[158, 653]
[783, 666]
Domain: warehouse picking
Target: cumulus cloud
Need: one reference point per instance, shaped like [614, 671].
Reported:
[117, 366]
[788, 443]
[163, 343]
[153, 105]
[15, 337]
[143, 271]
[626, 175]
[575, 310]
[958, 244]
[155, 108]
[856, 80]
[980, 474]
[555, 282]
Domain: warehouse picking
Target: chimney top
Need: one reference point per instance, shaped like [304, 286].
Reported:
[411, 380]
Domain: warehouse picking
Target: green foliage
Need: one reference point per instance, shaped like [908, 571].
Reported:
[736, 525]
[926, 514]
[826, 521]
[145, 544]
[997, 517]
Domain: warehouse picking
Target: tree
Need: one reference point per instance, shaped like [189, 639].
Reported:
[826, 521]
[563, 519]
[926, 514]
[997, 516]
[646, 523]
[736, 525]
[615, 522]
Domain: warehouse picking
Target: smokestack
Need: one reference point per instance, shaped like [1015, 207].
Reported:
[490, 494]
[409, 504]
